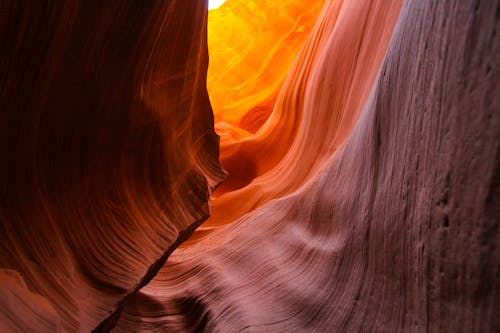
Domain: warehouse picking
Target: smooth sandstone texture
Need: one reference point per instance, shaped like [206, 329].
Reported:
[252, 46]
[399, 230]
[371, 203]
[107, 148]
[37, 313]
[310, 121]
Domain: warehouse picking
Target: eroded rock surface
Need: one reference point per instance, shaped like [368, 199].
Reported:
[372, 204]
[398, 232]
[107, 148]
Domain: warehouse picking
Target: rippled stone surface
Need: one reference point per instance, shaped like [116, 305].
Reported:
[367, 201]
[107, 148]
[395, 229]
[314, 113]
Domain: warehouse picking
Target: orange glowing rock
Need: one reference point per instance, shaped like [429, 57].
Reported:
[363, 190]
[313, 114]
[252, 45]
[385, 218]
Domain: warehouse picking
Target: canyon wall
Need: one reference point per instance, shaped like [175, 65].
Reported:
[107, 148]
[397, 231]
[315, 111]
[367, 202]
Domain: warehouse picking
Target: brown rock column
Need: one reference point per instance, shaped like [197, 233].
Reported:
[108, 154]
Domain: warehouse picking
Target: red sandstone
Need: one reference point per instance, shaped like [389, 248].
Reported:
[368, 201]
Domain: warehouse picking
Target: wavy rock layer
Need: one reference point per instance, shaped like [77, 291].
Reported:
[315, 111]
[398, 231]
[108, 152]
[370, 196]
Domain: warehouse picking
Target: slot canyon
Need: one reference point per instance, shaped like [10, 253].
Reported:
[262, 166]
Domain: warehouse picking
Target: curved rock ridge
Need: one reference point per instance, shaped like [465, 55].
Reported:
[37, 313]
[397, 231]
[368, 200]
[108, 153]
[308, 125]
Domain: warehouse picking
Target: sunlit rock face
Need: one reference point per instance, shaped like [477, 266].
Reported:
[252, 45]
[363, 198]
[309, 122]
[390, 218]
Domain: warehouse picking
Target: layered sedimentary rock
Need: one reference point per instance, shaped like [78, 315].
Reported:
[367, 201]
[310, 121]
[397, 232]
[107, 148]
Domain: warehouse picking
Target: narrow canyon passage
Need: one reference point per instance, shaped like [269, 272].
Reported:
[265, 166]
[268, 158]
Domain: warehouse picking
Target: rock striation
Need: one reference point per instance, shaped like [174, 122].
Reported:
[315, 111]
[367, 200]
[107, 148]
[396, 230]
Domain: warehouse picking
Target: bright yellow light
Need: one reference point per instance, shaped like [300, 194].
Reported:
[213, 4]
[252, 45]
